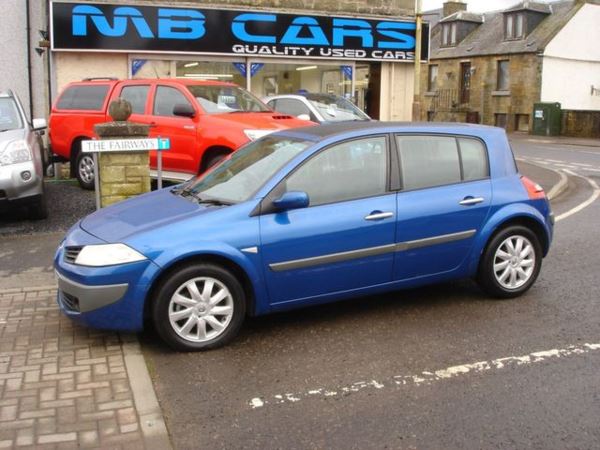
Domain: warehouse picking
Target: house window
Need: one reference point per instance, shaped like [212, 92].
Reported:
[502, 82]
[514, 26]
[500, 120]
[449, 34]
[432, 78]
[465, 82]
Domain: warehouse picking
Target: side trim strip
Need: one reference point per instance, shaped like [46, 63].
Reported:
[371, 251]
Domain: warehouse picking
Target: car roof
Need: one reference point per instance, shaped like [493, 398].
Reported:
[187, 82]
[322, 132]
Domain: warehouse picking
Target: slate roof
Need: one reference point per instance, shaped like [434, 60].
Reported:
[464, 16]
[530, 6]
[488, 38]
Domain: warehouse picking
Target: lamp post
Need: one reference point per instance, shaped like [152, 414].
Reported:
[416, 110]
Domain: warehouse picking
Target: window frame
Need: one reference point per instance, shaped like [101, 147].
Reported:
[148, 95]
[506, 87]
[432, 86]
[457, 138]
[512, 21]
[267, 207]
[449, 34]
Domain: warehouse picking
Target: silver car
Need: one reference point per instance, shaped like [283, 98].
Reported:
[319, 108]
[22, 158]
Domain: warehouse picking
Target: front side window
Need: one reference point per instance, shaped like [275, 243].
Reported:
[225, 99]
[10, 118]
[351, 170]
[165, 100]
[137, 96]
[238, 178]
[503, 80]
[429, 161]
[432, 78]
[291, 106]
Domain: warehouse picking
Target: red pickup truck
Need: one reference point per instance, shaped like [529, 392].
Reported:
[205, 120]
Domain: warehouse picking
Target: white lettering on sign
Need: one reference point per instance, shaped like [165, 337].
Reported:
[124, 145]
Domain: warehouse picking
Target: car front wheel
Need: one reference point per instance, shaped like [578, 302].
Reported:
[511, 262]
[199, 307]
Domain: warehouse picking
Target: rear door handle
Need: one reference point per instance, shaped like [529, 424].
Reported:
[467, 201]
[378, 215]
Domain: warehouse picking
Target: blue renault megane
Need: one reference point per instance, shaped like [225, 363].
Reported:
[305, 217]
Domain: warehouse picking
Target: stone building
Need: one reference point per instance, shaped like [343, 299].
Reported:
[491, 68]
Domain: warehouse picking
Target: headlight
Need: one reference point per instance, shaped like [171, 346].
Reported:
[15, 152]
[107, 255]
[257, 134]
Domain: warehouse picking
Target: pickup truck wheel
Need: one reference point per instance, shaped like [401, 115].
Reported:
[85, 170]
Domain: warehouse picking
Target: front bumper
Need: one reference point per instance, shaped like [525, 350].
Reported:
[110, 297]
[14, 187]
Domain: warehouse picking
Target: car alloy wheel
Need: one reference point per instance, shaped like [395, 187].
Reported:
[201, 309]
[85, 171]
[514, 262]
[198, 306]
[510, 263]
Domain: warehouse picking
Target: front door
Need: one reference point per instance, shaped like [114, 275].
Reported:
[445, 198]
[344, 240]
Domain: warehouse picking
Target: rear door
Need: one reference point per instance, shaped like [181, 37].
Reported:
[444, 201]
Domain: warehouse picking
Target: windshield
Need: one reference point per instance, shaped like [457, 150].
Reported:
[334, 108]
[10, 119]
[239, 177]
[226, 99]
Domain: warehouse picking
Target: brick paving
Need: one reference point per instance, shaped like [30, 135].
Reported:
[62, 385]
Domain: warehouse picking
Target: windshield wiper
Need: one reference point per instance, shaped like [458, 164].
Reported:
[212, 201]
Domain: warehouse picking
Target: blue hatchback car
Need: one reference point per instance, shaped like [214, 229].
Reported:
[305, 217]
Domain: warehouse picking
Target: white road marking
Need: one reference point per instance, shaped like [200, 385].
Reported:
[428, 377]
[591, 199]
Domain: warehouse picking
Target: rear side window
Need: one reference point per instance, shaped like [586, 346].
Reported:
[165, 100]
[90, 98]
[137, 96]
[428, 161]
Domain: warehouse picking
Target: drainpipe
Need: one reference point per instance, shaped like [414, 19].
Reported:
[416, 112]
[28, 40]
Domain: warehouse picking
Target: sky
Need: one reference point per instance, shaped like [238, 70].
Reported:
[473, 5]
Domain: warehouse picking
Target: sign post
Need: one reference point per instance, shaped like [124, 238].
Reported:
[124, 146]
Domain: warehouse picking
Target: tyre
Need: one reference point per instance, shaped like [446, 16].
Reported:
[213, 160]
[510, 263]
[38, 209]
[84, 170]
[199, 307]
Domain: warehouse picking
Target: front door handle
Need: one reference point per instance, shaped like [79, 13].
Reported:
[467, 201]
[378, 215]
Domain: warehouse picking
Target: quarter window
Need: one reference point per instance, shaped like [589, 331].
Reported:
[428, 161]
[351, 170]
[137, 96]
[165, 100]
[85, 98]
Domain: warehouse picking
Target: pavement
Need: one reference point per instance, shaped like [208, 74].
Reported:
[66, 386]
[555, 140]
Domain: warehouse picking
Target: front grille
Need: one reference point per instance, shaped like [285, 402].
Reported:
[71, 253]
[69, 301]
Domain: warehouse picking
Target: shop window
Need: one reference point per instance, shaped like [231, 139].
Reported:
[500, 120]
[234, 72]
[502, 81]
[165, 100]
[432, 78]
[137, 96]
[151, 68]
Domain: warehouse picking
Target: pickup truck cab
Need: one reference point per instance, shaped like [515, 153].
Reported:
[205, 121]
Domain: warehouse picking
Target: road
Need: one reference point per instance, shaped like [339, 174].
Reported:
[441, 367]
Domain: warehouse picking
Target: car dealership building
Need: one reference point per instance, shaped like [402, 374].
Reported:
[360, 50]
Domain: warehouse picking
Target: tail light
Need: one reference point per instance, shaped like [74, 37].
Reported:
[534, 190]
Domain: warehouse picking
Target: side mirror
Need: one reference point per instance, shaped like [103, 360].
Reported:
[39, 124]
[303, 117]
[184, 110]
[292, 200]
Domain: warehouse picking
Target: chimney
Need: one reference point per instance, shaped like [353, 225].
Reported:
[451, 7]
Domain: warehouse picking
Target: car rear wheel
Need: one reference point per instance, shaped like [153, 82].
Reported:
[85, 170]
[511, 262]
[199, 307]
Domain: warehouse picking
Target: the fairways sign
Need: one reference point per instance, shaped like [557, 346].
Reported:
[91, 26]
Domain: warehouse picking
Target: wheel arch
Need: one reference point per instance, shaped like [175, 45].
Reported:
[74, 152]
[210, 152]
[211, 258]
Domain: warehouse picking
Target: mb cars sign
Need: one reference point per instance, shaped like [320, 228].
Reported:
[106, 27]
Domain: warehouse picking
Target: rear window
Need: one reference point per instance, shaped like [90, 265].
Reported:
[89, 98]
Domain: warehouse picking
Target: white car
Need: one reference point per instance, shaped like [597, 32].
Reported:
[319, 108]
[22, 158]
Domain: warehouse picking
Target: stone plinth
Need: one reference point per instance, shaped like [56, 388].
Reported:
[127, 174]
